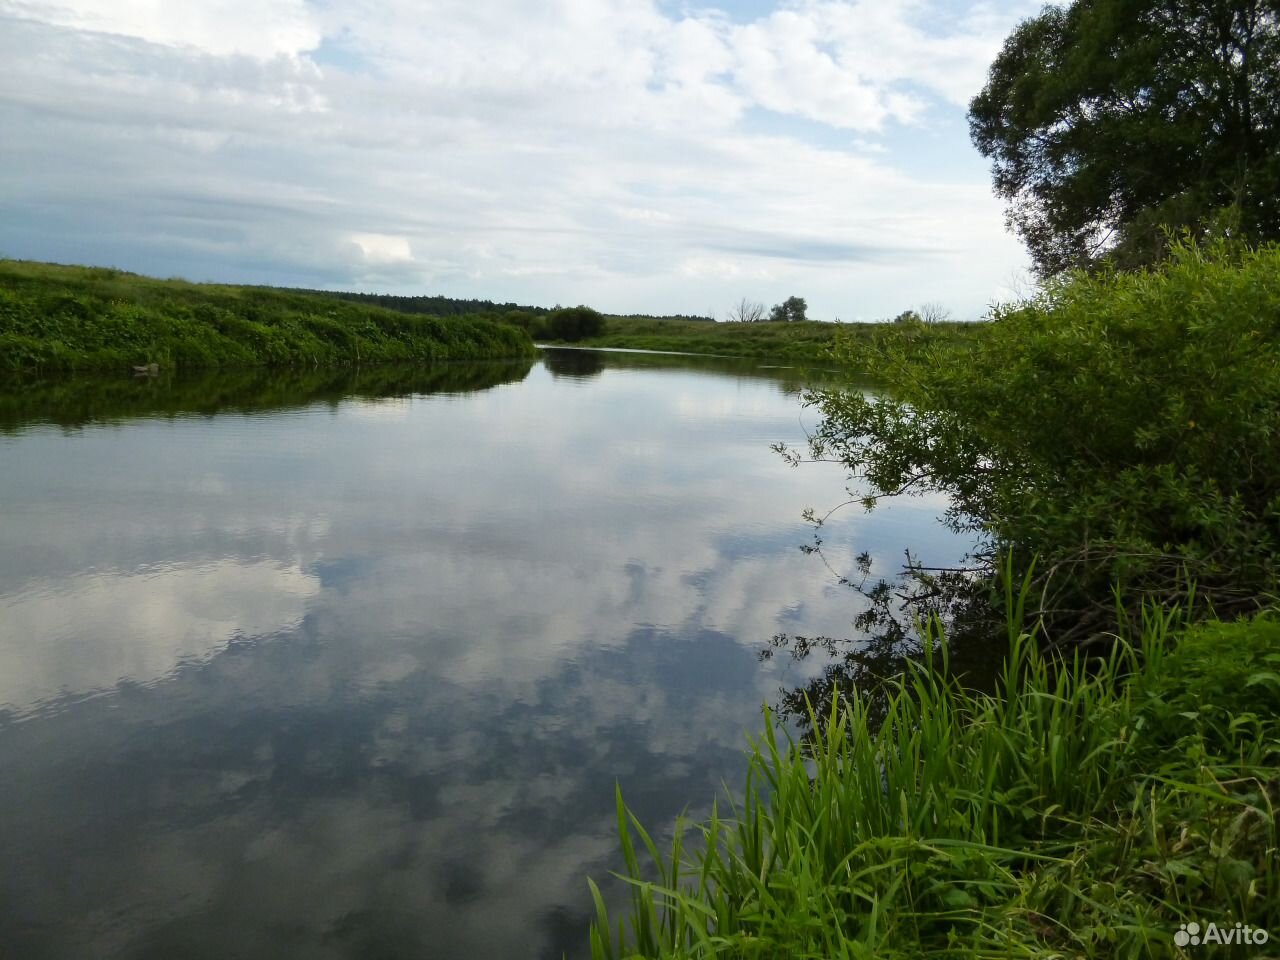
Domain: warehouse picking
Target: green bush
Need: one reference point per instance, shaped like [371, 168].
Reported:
[573, 323]
[1124, 427]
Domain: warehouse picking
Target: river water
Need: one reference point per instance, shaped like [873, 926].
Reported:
[348, 665]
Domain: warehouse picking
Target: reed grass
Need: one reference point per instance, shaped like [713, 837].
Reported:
[1086, 809]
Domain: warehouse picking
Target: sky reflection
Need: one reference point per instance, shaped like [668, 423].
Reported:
[358, 680]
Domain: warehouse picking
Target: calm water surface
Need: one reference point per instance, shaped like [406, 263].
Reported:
[349, 666]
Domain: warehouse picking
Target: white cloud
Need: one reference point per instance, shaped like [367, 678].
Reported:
[578, 151]
[383, 248]
[263, 28]
[785, 66]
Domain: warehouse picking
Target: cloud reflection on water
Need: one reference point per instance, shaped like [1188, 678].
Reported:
[367, 682]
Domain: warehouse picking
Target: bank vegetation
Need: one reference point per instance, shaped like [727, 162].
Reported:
[56, 317]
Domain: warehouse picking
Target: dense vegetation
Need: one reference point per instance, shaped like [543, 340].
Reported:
[1084, 810]
[77, 318]
[1109, 120]
[563, 325]
[439, 306]
[1122, 427]
[791, 310]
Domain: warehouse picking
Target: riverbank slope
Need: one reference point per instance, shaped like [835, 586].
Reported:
[55, 317]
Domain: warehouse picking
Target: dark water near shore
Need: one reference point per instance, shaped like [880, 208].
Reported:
[340, 664]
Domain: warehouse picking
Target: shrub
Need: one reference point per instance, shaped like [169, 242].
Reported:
[1122, 426]
[574, 323]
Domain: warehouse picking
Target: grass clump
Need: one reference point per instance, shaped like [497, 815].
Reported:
[78, 318]
[1086, 809]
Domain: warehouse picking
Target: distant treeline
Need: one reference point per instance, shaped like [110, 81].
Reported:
[431, 306]
[439, 306]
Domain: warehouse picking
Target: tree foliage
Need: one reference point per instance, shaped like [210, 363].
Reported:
[566, 324]
[574, 323]
[1108, 120]
[1122, 427]
[792, 309]
[925, 313]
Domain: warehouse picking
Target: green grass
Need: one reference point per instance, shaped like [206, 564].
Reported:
[808, 341]
[56, 317]
[1086, 810]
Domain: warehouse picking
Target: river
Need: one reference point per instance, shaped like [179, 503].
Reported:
[348, 665]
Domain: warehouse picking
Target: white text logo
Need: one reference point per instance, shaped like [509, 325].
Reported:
[1193, 935]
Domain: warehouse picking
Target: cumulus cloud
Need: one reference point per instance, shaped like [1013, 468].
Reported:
[581, 150]
[262, 29]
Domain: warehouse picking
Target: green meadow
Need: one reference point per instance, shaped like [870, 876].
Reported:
[800, 341]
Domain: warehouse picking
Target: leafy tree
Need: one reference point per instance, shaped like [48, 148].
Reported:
[1121, 427]
[1108, 120]
[519, 318]
[793, 308]
[574, 323]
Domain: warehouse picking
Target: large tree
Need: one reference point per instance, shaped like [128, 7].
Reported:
[1107, 120]
[791, 309]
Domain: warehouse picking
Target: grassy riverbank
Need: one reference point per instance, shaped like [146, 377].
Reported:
[84, 318]
[804, 342]
[1086, 810]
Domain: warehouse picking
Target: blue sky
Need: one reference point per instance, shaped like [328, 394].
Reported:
[636, 156]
